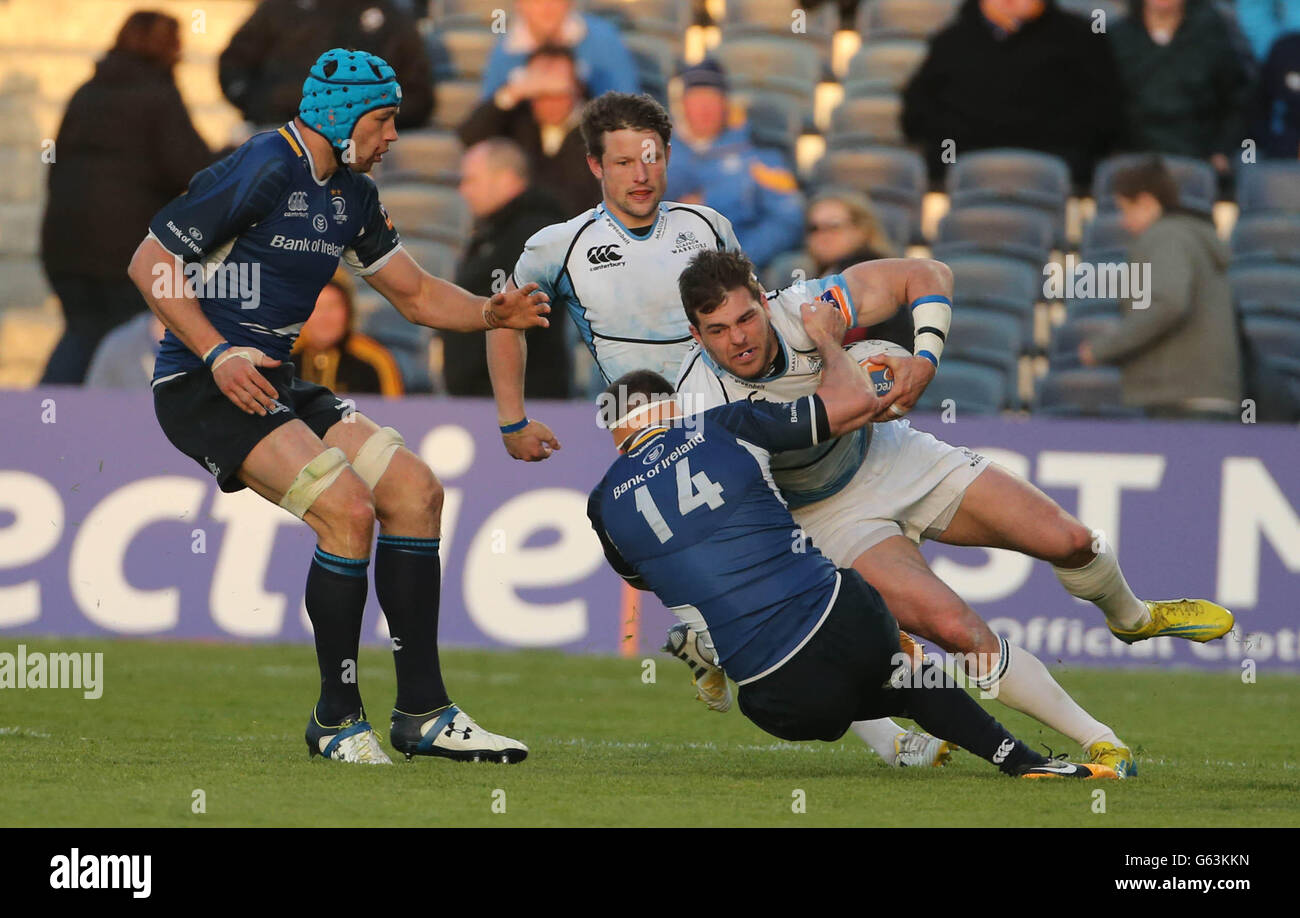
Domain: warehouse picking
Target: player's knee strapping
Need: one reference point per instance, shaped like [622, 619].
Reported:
[312, 481]
[375, 454]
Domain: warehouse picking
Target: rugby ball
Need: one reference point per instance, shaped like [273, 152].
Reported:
[880, 376]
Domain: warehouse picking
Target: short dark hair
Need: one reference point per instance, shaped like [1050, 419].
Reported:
[1150, 175]
[710, 276]
[554, 49]
[617, 111]
[629, 391]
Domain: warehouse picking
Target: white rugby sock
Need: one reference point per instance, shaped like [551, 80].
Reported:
[1026, 685]
[879, 735]
[1101, 582]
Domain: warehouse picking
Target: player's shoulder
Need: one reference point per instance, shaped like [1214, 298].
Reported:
[716, 221]
[561, 235]
[265, 162]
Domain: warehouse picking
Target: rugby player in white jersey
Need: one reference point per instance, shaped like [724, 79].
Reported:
[869, 498]
[612, 267]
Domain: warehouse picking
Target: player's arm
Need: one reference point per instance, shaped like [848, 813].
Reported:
[612, 554]
[878, 290]
[431, 301]
[846, 396]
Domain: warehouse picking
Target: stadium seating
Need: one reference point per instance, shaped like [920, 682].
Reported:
[993, 339]
[901, 223]
[865, 120]
[1063, 354]
[1113, 9]
[1000, 229]
[1093, 307]
[427, 211]
[891, 174]
[460, 50]
[1197, 181]
[1009, 176]
[1272, 336]
[656, 61]
[1269, 186]
[409, 344]
[1274, 384]
[786, 268]
[664, 19]
[1091, 392]
[1275, 236]
[774, 119]
[455, 99]
[903, 18]
[776, 17]
[973, 388]
[1105, 239]
[438, 258]
[887, 64]
[1266, 288]
[997, 284]
[423, 155]
[440, 10]
[773, 61]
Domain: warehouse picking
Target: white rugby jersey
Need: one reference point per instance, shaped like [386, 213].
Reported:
[805, 475]
[621, 288]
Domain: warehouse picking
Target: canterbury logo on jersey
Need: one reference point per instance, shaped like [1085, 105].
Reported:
[297, 204]
[603, 255]
[1004, 750]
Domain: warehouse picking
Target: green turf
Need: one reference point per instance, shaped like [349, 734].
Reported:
[608, 749]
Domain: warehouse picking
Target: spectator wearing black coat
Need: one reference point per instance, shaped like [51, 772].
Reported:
[1016, 73]
[1186, 85]
[125, 148]
[261, 70]
[495, 185]
[1276, 113]
[540, 112]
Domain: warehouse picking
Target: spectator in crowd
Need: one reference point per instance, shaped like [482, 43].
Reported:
[1178, 352]
[603, 61]
[330, 353]
[842, 229]
[125, 148]
[1186, 88]
[1276, 113]
[540, 111]
[1264, 21]
[507, 210]
[261, 69]
[720, 167]
[124, 359]
[1015, 73]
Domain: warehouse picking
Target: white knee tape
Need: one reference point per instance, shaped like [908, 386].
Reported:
[375, 454]
[312, 481]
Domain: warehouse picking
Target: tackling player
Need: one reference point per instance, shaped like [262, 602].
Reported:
[690, 511]
[869, 498]
[610, 268]
[277, 214]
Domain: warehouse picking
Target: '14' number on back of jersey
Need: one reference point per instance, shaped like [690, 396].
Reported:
[693, 491]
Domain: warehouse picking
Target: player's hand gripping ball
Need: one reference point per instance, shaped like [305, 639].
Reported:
[880, 376]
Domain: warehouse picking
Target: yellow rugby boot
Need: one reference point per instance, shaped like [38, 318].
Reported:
[1192, 619]
[1117, 758]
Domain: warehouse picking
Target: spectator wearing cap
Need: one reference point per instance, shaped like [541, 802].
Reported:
[494, 182]
[1177, 347]
[603, 61]
[330, 353]
[720, 166]
[541, 113]
[1186, 87]
[1016, 73]
[261, 69]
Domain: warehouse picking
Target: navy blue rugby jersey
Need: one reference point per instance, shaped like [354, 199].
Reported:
[692, 513]
[261, 236]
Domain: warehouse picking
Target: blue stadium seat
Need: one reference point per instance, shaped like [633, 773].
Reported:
[1093, 307]
[1024, 177]
[1262, 287]
[455, 100]
[1275, 236]
[656, 59]
[989, 338]
[1063, 353]
[438, 258]
[409, 344]
[775, 120]
[973, 388]
[781, 271]
[1197, 181]
[1106, 232]
[460, 50]
[440, 11]
[1272, 336]
[772, 61]
[997, 284]
[423, 155]
[1270, 185]
[891, 174]
[1018, 232]
[775, 17]
[902, 224]
[888, 63]
[1090, 392]
[864, 120]
[663, 18]
[903, 18]
[1275, 387]
[428, 211]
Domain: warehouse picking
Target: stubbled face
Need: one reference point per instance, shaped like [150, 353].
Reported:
[329, 320]
[371, 138]
[738, 335]
[1137, 214]
[633, 174]
[830, 232]
[705, 109]
[544, 17]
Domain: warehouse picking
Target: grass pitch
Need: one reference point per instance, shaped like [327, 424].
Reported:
[607, 749]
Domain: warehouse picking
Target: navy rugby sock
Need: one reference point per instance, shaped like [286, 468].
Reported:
[336, 602]
[946, 711]
[408, 582]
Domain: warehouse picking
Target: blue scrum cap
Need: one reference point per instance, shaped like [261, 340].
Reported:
[341, 87]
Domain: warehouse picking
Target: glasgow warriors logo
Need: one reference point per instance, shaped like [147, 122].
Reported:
[603, 255]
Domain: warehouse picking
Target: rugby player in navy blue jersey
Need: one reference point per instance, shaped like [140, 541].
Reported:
[690, 511]
[233, 268]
